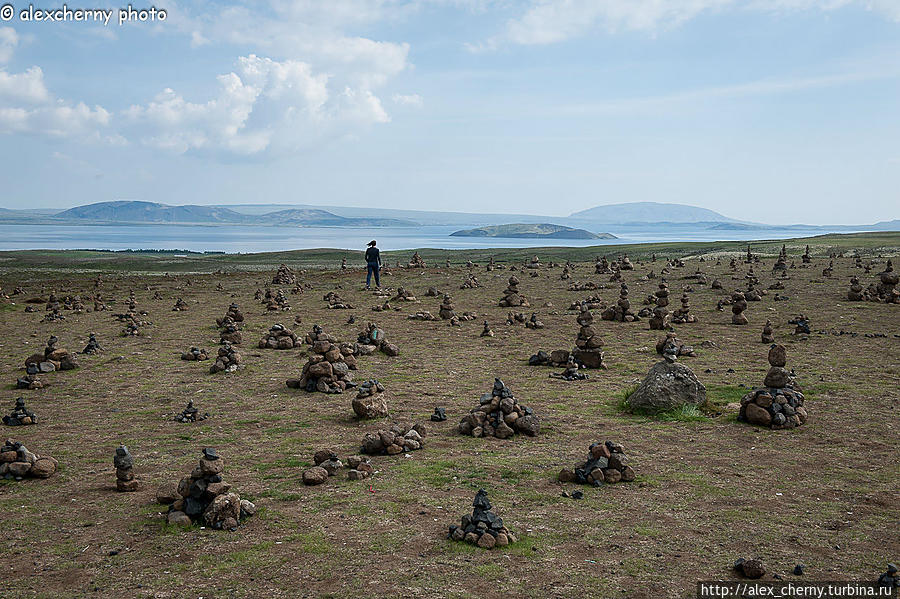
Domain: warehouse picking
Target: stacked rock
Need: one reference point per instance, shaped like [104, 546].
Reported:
[284, 276]
[856, 293]
[279, 337]
[565, 276]
[571, 373]
[20, 416]
[416, 261]
[370, 400]
[422, 315]
[335, 302]
[801, 325]
[277, 302]
[738, 305]
[52, 359]
[233, 314]
[230, 333]
[93, 346]
[716, 284]
[499, 415]
[601, 267]
[625, 263]
[750, 258]
[29, 381]
[767, 336]
[606, 463]
[326, 464]
[486, 331]
[828, 270]
[180, 305]
[471, 282]
[191, 414]
[359, 467]
[781, 262]
[660, 319]
[124, 463]
[227, 360]
[887, 285]
[375, 339]
[806, 257]
[205, 498]
[777, 404]
[621, 312]
[446, 310]
[397, 439]
[511, 296]
[515, 318]
[752, 294]
[533, 322]
[195, 354]
[671, 346]
[683, 314]
[328, 368]
[16, 462]
[588, 342]
[483, 528]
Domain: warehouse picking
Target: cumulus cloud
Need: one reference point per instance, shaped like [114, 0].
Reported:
[414, 100]
[9, 39]
[27, 87]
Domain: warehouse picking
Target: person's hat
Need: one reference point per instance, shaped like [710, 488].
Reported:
[372, 242]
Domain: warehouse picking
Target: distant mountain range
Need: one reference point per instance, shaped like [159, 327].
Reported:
[620, 217]
[531, 231]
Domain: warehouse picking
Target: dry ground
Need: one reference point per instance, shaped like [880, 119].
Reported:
[708, 491]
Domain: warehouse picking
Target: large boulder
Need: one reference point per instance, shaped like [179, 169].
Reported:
[668, 386]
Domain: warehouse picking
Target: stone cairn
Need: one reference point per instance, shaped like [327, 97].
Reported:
[93, 346]
[767, 336]
[370, 401]
[806, 257]
[606, 463]
[326, 464]
[777, 404]
[471, 282]
[230, 334]
[483, 528]
[16, 462]
[533, 322]
[124, 463]
[856, 293]
[191, 414]
[511, 296]
[625, 263]
[195, 354]
[227, 360]
[416, 261]
[683, 314]
[335, 302]
[601, 266]
[781, 263]
[588, 342]
[53, 358]
[738, 305]
[279, 337]
[203, 497]
[887, 285]
[375, 339]
[446, 311]
[328, 368]
[486, 331]
[660, 319]
[397, 439]
[422, 315]
[277, 302]
[828, 270]
[571, 373]
[233, 313]
[284, 276]
[30, 382]
[671, 346]
[432, 292]
[621, 312]
[20, 416]
[180, 306]
[500, 415]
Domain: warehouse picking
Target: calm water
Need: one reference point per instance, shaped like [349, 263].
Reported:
[236, 239]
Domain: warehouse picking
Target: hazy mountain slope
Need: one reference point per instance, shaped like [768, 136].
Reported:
[529, 230]
[151, 212]
[649, 212]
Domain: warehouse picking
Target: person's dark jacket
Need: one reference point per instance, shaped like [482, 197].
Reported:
[373, 256]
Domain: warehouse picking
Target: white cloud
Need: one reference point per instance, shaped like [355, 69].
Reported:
[9, 39]
[414, 100]
[27, 87]
[552, 21]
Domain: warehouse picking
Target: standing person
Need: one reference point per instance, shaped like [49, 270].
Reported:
[373, 264]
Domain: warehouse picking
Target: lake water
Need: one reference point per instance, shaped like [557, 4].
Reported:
[245, 239]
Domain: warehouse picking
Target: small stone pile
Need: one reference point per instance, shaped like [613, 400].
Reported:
[432, 292]
[279, 337]
[52, 359]
[625, 263]
[471, 282]
[397, 439]
[483, 528]
[203, 497]
[93, 346]
[671, 346]
[571, 373]
[621, 312]
[660, 319]
[511, 296]
[533, 322]
[856, 293]
[233, 314]
[416, 261]
[191, 414]
[227, 360]
[781, 263]
[328, 368]
[326, 464]
[738, 305]
[446, 310]
[370, 401]
[767, 336]
[195, 354]
[588, 342]
[180, 306]
[335, 302]
[887, 285]
[277, 302]
[230, 333]
[486, 331]
[499, 415]
[806, 257]
[422, 315]
[284, 276]
[601, 267]
[16, 462]
[606, 463]
[683, 314]
[828, 270]
[375, 339]
[124, 463]
[777, 404]
[20, 416]
[29, 381]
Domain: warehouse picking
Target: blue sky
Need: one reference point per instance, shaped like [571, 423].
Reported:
[767, 110]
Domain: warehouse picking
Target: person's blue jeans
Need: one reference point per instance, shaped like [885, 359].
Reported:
[372, 268]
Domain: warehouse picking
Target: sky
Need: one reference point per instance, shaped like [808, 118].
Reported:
[778, 111]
